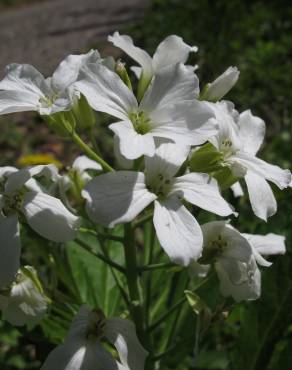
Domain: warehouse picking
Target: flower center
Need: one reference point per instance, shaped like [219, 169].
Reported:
[213, 250]
[13, 202]
[48, 101]
[160, 185]
[218, 245]
[141, 122]
[96, 324]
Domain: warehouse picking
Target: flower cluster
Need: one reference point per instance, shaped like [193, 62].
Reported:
[177, 147]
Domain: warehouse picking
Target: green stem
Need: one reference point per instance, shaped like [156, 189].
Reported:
[101, 235]
[177, 305]
[167, 313]
[90, 153]
[143, 219]
[115, 276]
[100, 256]
[133, 284]
[157, 266]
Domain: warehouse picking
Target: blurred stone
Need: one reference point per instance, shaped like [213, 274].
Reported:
[43, 33]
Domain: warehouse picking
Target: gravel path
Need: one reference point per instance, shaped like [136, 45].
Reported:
[44, 33]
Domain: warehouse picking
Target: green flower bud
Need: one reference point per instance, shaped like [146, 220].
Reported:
[84, 114]
[122, 72]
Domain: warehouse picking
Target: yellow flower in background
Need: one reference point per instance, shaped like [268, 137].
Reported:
[34, 159]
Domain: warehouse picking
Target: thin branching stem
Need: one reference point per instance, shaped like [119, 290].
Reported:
[100, 256]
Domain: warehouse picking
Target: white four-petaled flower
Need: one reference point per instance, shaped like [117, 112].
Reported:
[170, 51]
[83, 347]
[118, 197]
[239, 138]
[24, 302]
[167, 111]
[234, 261]
[24, 88]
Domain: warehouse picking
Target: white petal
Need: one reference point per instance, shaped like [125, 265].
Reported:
[17, 179]
[177, 231]
[237, 189]
[228, 130]
[171, 85]
[266, 245]
[68, 70]
[132, 144]
[122, 334]
[171, 50]
[198, 270]
[166, 162]
[261, 197]
[123, 162]
[83, 163]
[251, 131]
[49, 217]
[201, 190]
[269, 244]
[240, 280]
[219, 87]
[186, 123]
[9, 250]
[116, 197]
[6, 171]
[125, 43]
[137, 71]
[79, 355]
[24, 78]
[105, 91]
[268, 171]
[18, 101]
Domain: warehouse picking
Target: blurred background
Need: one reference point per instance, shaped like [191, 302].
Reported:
[255, 36]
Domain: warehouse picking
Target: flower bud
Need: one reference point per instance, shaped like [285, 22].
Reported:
[215, 90]
[122, 72]
[83, 113]
[24, 303]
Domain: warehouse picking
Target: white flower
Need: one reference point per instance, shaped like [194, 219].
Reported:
[239, 139]
[266, 245]
[25, 89]
[24, 303]
[220, 87]
[83, 347]
[234, 261]
[120, 196]
[44, 213]
[168, 109]
[170, 51]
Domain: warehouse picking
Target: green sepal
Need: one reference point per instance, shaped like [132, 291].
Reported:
[225, 178]
[207, 159]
